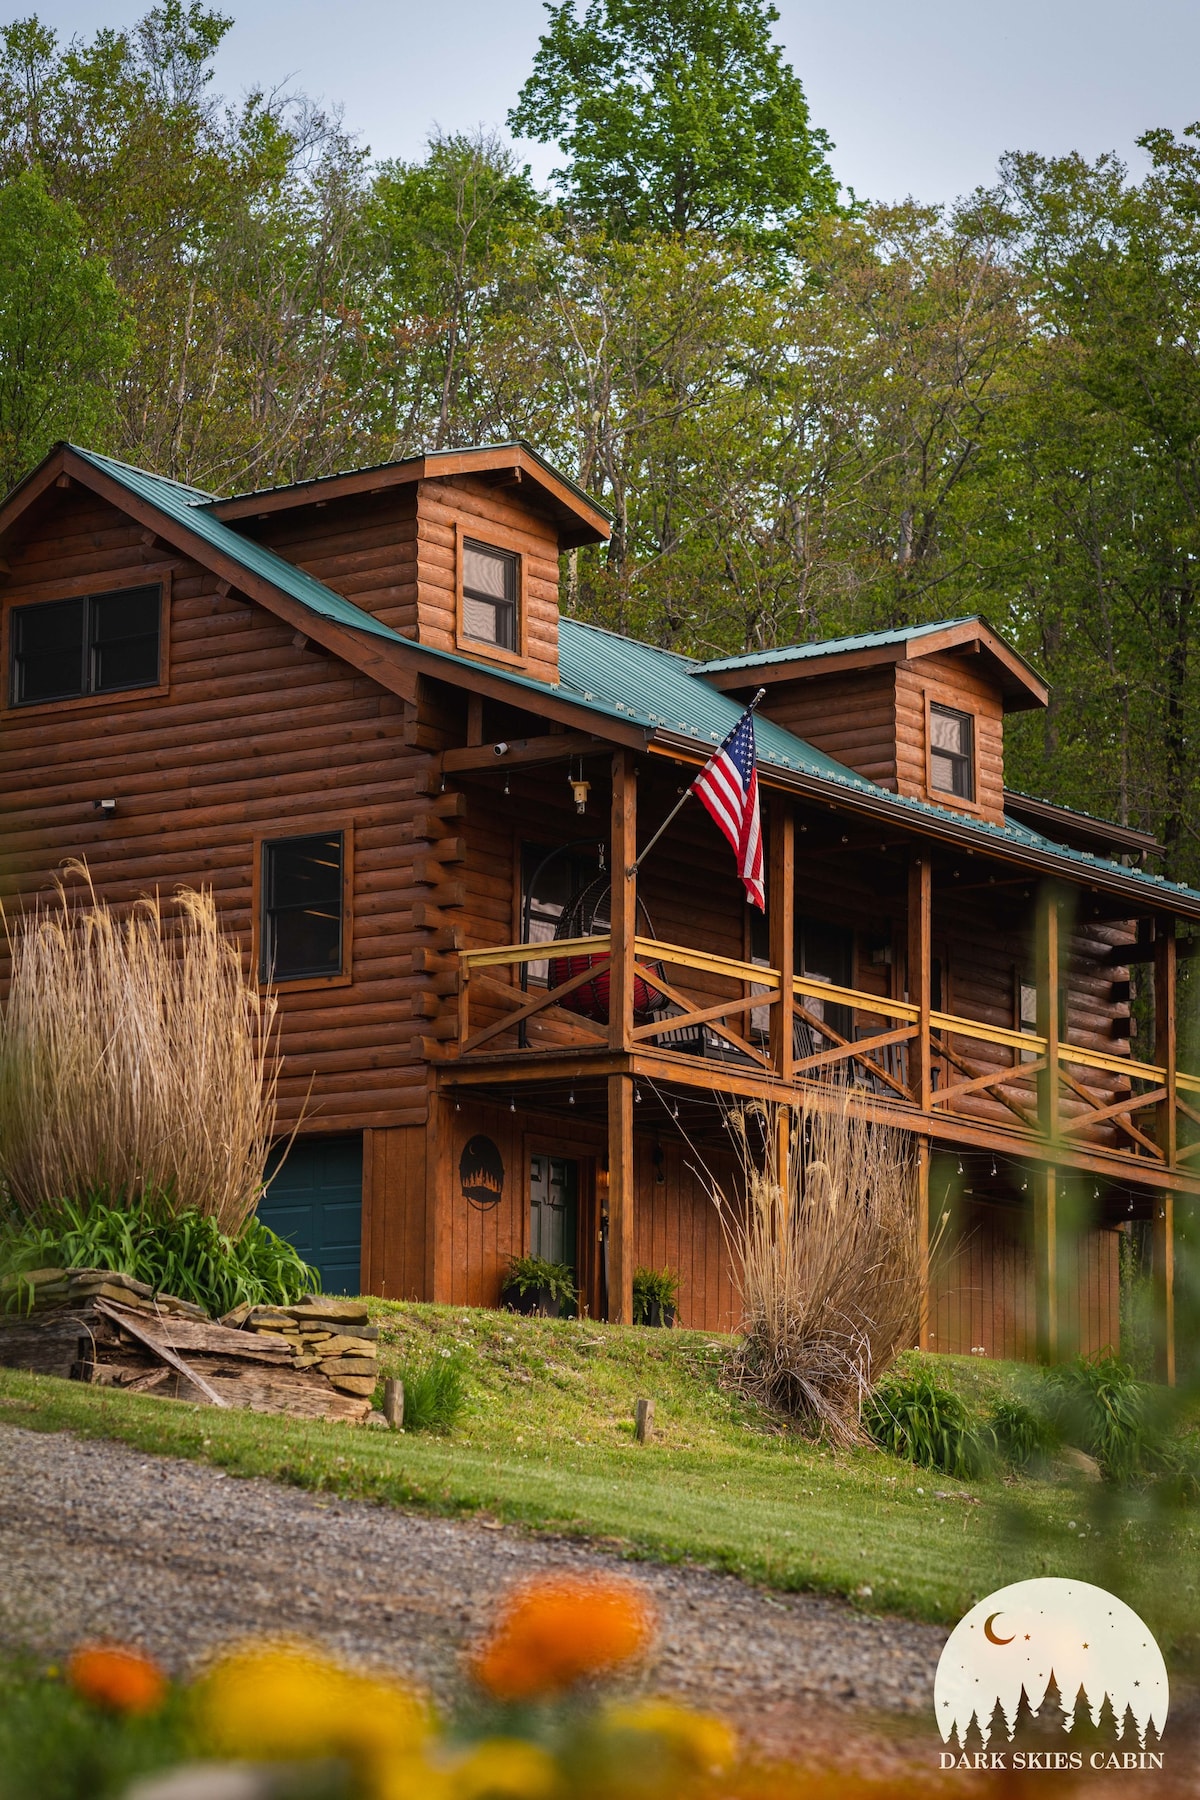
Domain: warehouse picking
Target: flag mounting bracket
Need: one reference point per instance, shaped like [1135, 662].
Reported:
[634, 866]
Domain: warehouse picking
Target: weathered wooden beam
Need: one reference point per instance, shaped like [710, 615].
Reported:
[505, 752]
[1166, 995]
[1045, 1260]
[920, 967]
[620, 1199]
[781, 926]
[1048, 1009]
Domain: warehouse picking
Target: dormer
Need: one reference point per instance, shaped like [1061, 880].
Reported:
[458, 549]
[920, 711]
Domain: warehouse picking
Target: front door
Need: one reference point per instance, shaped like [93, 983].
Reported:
[554, 1209]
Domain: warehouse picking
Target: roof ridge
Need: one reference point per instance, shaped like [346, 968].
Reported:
[890, 634]
[626, 637]
[115, 462]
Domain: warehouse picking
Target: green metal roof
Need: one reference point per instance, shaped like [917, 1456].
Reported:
[867, 640]
[612, 676]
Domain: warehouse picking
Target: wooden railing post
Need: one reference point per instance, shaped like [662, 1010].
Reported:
[923, 1158]
[1048, 1009]
[620, 1037]
[1165, 1038]
[920, 974]
[1163, 1253]
[781, 918]
[1045, 1260]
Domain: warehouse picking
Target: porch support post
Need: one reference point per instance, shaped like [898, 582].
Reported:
[922, 1182]
[620, 1037]
[1165, 996]
[1163, 1252]
[920, 967]
[1048, 1009]
[624, 901]
[1045, 1260]
[620, 1199]
[781, 916]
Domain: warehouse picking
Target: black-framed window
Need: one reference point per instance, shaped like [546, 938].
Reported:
[303, 906]
[951, 752]
[96, 644]
[490, 595]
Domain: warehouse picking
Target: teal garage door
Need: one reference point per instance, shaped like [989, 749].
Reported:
[315, 1201]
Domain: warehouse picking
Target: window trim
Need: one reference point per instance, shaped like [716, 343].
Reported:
[940, 796]
[491, 537]
[280, 832]
[87, 590]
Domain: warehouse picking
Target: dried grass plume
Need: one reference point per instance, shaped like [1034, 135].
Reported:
[135, 1058]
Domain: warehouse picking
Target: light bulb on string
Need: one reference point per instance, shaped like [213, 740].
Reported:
[571, 1098]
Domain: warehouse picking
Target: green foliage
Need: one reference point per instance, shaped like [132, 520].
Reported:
[63, 340]
[528, 1273]
[435, 1390]
[1099, 1405]
[1023, 1436]
[676, 117]
[653, 1287]
[55, 1746]
[182, 1253]
[914, 1415]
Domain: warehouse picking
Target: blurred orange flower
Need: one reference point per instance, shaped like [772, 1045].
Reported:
[123, 1680]
[553, 1633]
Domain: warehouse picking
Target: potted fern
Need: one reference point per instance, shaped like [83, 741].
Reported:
[536, 1287]
[655, 1297]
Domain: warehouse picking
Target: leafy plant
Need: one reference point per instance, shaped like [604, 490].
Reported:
[184, 1253]
[1098, 1405]
[435, 1391]
[1022, 1434]
[914, 1415]
[653, 1287]
[529, 1273]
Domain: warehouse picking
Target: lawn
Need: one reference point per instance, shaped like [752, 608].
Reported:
[546, 1442]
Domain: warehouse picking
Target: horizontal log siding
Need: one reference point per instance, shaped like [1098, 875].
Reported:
[851, 716]
[255, 735]
[363, 547]
[951, 681]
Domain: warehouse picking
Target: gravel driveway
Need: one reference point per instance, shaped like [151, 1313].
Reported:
[100, 1539]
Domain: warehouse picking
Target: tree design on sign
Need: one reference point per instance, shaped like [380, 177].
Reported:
[481, 1173]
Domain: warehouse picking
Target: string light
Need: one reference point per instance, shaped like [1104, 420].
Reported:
[993, 1165]
[571, 1098]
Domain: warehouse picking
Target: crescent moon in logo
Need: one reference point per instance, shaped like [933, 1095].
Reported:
[990, 1635]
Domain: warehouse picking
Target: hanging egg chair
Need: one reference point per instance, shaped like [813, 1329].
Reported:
[589, 914]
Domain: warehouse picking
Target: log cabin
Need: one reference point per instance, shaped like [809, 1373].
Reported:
[353, 708]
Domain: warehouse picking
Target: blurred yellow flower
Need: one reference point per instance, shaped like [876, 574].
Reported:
[552, 1633]
[506, 1769]
[703, 1744]
[285, 1702]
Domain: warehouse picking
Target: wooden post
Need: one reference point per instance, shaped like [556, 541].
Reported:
[1165, 1045]
[781, 917]
[438, 1215]
[624, 901]
[620, 1199]
[1048, 1009]
[920, 971]
[923, 1148]
[643, 1416]
[393, 1402]
[1045, 1261]
[1163, 1248]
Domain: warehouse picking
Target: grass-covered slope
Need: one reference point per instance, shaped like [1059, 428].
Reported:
[546, 1441]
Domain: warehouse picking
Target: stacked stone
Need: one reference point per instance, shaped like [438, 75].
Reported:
[331, 1336]
[78, 1288]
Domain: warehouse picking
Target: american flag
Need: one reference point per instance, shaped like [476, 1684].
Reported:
[727, 787]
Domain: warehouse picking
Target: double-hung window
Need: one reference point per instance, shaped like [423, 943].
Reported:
[302, 925]
[951, 752]
[490, 599]
[96, 644]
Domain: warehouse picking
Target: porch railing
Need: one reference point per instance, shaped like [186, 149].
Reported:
[871, 1041]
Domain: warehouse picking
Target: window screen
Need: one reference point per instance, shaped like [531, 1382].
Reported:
[302, 907]
[950, 752]
[99, 644]
[490, 595]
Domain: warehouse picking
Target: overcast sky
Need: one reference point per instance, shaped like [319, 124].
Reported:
[919, 96]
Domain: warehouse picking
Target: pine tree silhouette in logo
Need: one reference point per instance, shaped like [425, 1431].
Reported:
[998, 1732]
[1024, 1731]
[1131, 1737]
[972, 1739]
[1050, 1722]
[1106, 1724]
[1083, 1731]
[1151, 1740]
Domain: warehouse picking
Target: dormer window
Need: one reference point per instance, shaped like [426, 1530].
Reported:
[489, 608]
[951, 752]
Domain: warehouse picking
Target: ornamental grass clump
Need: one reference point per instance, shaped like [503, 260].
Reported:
[136, 1060]
[824, 1242]
[915, 1416]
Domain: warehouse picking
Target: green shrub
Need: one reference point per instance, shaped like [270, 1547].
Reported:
[1098, 1405]
[184, 1253]
[911, 1414]
[1022, 1435]
[435, 1391]
[528, 1273]
[653, 1287]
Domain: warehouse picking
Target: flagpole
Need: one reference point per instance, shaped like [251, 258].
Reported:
[679, 804]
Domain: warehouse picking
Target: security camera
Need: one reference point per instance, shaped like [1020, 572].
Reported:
[499, 749]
